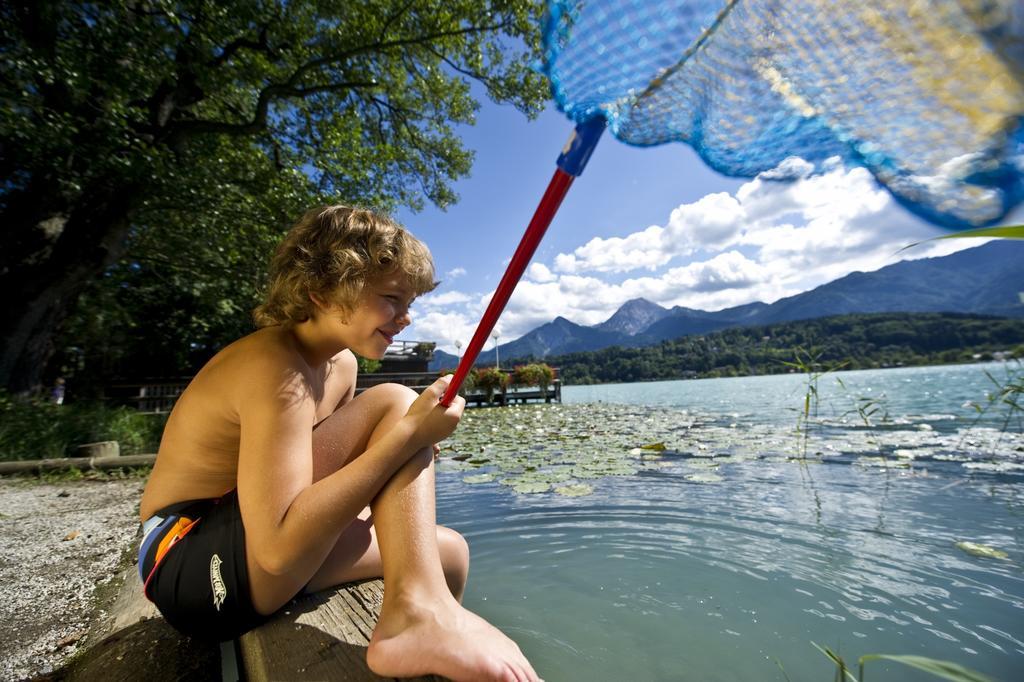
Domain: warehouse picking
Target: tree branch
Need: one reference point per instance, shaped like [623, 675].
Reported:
[258, 123]
[261, 44]
[387, 45]
[483, 78]
[183, 129]
[392, 19]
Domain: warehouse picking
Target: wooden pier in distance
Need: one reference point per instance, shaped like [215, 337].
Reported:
[474, 397]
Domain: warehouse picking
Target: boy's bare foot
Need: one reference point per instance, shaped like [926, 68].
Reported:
[446, 640]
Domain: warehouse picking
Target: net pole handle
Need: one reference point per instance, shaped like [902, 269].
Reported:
[570, 163]
[542, 217]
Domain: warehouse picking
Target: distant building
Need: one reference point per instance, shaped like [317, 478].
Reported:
[403, 357]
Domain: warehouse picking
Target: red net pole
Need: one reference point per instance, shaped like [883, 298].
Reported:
[546, 210]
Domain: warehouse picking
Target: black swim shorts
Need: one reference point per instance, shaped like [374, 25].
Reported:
[192, 565]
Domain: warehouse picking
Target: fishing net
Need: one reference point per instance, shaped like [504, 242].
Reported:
[928, 95]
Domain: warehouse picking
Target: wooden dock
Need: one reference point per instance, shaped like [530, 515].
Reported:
[474, 397]
[317, 637]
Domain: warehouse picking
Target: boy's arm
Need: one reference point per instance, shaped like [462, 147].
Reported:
[288, 521]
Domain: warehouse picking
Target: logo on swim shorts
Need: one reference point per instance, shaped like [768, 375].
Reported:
[220, 591]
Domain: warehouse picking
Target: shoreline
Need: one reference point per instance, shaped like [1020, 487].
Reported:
[63, 543]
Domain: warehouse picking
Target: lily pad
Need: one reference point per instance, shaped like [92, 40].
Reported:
[479, 478]
[704, 478]
[532, 487]
[659, 447]
[575, 490]
[979, 550]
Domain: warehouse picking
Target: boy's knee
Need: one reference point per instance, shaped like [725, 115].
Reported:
[394, 394]
[453, 548]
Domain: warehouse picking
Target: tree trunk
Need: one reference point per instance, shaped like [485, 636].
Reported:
[50, 252]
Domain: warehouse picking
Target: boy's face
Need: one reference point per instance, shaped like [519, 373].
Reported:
[381, 312]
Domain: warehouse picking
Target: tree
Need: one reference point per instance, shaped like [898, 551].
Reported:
[170, 129]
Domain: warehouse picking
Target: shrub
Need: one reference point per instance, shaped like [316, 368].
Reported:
[536, 374]
[366, 365]
[425, 349]
[491, 379]
[40, 429]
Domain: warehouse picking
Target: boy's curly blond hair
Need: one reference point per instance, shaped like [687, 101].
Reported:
[331, 253]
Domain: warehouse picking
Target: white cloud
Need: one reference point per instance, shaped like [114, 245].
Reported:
[712, 222]
[539, 272]
[617, 254]
[443, 328]
[768, 240]
[455, 273]
[433, 300]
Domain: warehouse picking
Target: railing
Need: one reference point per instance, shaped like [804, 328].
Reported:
[160, 395]
[155, 396]
[423, 349]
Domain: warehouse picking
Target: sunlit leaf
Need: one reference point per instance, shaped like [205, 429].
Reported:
[979, 550]
[1004, 232]
[947, 670]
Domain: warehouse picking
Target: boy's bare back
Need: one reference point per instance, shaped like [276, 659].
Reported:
[198, 457]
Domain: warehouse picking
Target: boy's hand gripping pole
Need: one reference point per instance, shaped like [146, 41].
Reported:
[571, 162]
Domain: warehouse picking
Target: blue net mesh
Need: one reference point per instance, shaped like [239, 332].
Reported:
[928, 95]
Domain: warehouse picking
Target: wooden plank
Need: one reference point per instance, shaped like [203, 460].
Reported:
[130, 606]
[36, 465]
[318, 637]
[133, 642]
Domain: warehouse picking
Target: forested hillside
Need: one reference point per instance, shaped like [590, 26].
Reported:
[851, 341]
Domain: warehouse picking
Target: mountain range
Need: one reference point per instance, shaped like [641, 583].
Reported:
[987, 279]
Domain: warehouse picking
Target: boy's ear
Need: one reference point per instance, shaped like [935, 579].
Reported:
[318, 302]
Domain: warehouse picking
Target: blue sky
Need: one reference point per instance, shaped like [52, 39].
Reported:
[651, 222]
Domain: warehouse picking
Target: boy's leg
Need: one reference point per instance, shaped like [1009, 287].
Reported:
[356, 555]
[422, 629]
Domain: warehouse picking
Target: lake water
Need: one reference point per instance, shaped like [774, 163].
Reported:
[725, 555]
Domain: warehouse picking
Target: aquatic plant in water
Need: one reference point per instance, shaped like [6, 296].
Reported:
[808, 363]
[947, 670]
[537, 449]
[1007, 397]
[560, 448]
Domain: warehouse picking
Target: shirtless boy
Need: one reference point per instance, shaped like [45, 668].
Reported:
[272, 478]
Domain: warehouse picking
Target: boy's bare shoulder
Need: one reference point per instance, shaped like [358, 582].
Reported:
[345, 364]
[267, 359]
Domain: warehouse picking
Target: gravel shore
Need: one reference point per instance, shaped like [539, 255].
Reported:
[60, 544]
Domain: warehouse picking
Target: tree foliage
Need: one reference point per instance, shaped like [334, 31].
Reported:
[156, 149]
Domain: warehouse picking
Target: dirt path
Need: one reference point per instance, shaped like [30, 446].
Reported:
[60, 545]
